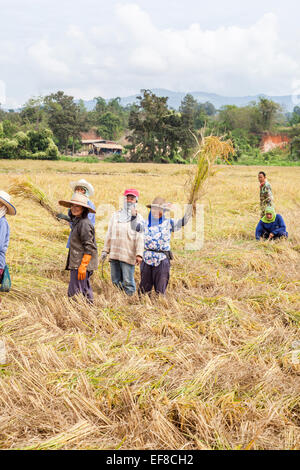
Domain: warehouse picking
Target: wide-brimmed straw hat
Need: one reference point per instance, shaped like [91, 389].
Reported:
[159, 203]
[78, 199]
[83, 184]
[5, 199]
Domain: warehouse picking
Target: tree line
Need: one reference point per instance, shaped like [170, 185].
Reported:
[47, 126]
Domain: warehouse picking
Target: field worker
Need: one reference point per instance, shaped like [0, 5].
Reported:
[266, 196]
[83, 187]
[271, 226]
[6, 208]
[124, 245]
[83, 254]
[155, 268]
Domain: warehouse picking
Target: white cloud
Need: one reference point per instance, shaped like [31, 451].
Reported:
[2, 93]
[8, 52]
[129, 51]
[44, 56]
[231, 60]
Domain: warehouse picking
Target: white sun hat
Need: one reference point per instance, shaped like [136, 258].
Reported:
[83, 183]
[5, 199]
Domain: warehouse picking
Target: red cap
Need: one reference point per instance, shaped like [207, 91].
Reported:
[132, 192]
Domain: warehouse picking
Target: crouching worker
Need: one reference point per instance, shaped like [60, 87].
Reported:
[124, 246]
[6, 208]
[271, 226]
[83, 255]
[155, 268]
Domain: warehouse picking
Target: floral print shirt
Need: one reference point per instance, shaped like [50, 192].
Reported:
[158, 237]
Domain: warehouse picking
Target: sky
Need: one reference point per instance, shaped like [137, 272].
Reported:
[91, 48]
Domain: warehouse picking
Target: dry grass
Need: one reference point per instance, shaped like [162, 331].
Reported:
[210, 366]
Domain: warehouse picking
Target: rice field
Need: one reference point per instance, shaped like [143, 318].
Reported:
[212, 365]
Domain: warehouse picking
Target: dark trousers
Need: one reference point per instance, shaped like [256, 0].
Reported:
[155, 276]
[80, 287]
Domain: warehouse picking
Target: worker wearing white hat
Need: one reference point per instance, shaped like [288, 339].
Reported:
[6, 208]
[82, 186]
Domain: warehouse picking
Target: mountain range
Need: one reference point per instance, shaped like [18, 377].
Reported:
[175, 98]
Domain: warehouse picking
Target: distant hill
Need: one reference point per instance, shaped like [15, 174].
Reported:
[175, 99]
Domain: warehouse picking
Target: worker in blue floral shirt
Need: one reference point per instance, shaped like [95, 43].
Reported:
[155, 267]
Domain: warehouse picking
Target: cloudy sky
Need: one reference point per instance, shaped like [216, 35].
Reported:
[113, 48]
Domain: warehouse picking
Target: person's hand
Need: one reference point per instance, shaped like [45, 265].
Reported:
[81, 273]
[82, 268]
[138, 260]
[271, 235]
[103, 255]
[133, 212]
[63, 217]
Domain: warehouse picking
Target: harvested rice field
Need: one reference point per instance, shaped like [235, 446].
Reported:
[212, 365]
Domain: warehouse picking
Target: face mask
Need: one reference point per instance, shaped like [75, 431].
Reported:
[125, 213]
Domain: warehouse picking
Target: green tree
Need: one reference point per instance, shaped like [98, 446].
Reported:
[110, 125]
[64, 118]
[157, 132]
[190, 115]
[268, 111]
[295, 116]
[9, 128]
[33, 113]
[100, 106]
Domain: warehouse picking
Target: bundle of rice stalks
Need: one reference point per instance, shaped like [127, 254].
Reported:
[24, 188]
[209, 149]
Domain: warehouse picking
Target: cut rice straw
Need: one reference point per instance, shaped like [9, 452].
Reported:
[24, 188]
[209, 149]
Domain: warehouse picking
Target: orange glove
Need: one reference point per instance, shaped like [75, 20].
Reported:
[82, 268]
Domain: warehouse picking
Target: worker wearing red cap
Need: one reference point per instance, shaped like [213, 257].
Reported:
[124, 245]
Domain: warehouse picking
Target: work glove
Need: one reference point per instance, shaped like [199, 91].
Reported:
[82, 268]
[103, 255]
[63, 216]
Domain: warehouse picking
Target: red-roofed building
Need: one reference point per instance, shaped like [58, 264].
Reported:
[92, 143]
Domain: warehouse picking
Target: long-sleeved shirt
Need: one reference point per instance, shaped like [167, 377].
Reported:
[158, 237]
[82, 242]
[121, 242]
[91, 216]
[277, 227]
[4, 240]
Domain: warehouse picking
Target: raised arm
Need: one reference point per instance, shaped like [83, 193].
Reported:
[179, 223]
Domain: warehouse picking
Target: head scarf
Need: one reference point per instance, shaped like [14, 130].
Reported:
[269, 210]
[86, 193]
[125, 213]
[153, 221]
